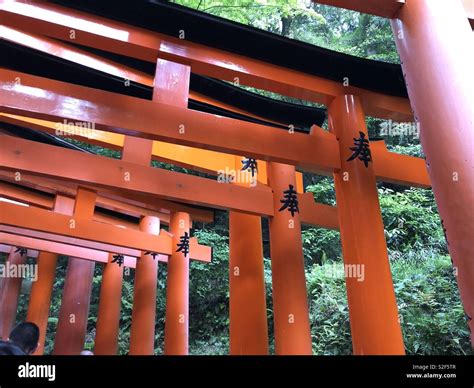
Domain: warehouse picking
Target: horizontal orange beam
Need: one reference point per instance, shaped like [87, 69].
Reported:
[57, 22]
[188, 157]
[85, 58]
[38, 245]
[38, 199]
[317, 214]
[48, 225]
[27, 156]
[384, 8]
[397, 168]
[74, 166]
[18, 194]
[52, 100]
[126, 203]
[4, 248]
[209, 162]
[41, 220]
[312, 213]
[67, 240]
[26, 196]
[317, 154]
[389, 166]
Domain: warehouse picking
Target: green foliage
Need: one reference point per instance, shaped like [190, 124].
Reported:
[432, 316]
[323, 191]
[411, 220]
[329, 316]
[433, 319]
[336, 29]
[209, 298]
[320, 245]
[411, 149]
[115, 154]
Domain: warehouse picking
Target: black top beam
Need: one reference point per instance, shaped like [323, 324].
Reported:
[28, 60]
[199, 27]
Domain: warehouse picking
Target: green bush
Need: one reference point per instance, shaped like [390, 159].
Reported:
[411, 220]
[432, 316]
[209, 298]
[330, 330]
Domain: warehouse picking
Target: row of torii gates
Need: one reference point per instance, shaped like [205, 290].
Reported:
[65, 189]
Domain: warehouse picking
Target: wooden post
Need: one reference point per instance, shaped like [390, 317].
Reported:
[74, 311]
[177, 290]
[171, 86]
[40, 297]
[9, 294]
[375, 326]
[290, 303]
[435, 43]
[108, 315]
[247, 304]
[42, 290]
[142, 331]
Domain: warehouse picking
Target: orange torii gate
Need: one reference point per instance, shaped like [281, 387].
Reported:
[81, 246]
[106, 338]
[446, 58]
[320, 152]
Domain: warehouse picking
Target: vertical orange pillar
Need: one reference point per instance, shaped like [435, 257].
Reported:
[40, 297]
[435, 43]
[177, 290]
[72, 322]
[290, 303]
[142, 331]
[247, 304]
[108, 315]
[10, 293]
[41, 290]
[375, 327]
[171, 86]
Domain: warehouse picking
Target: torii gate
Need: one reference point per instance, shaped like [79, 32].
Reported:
[435, 36]
[346, 114]
[109, 307]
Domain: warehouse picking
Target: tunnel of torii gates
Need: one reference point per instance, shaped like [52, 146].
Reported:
[154, 95]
